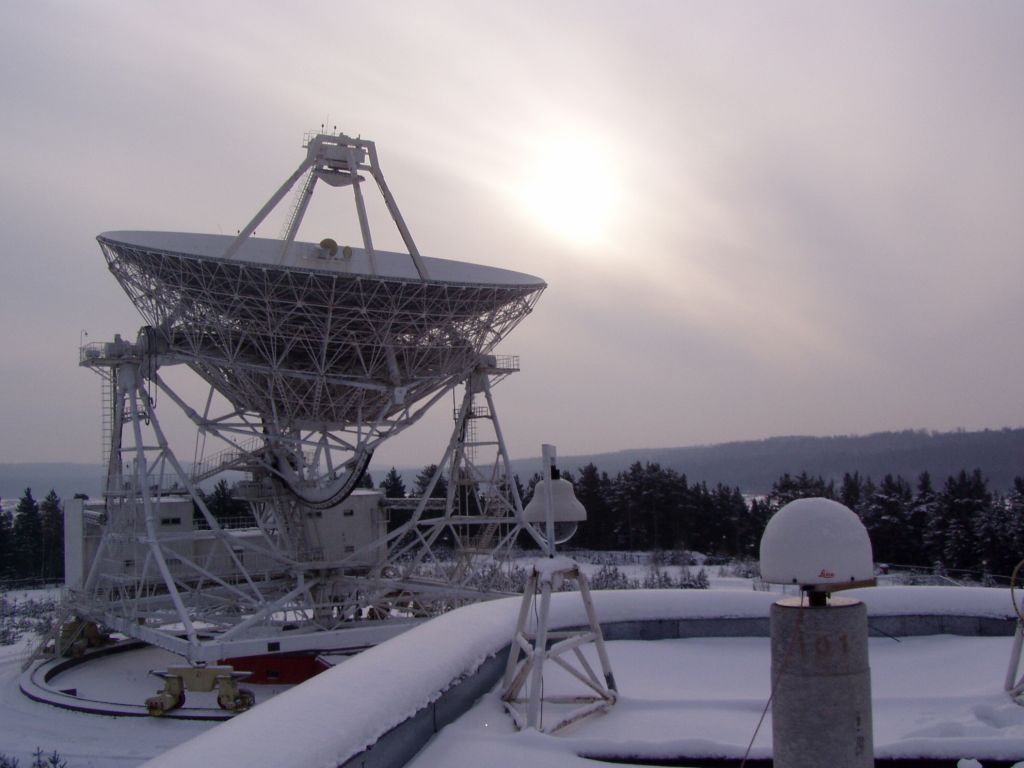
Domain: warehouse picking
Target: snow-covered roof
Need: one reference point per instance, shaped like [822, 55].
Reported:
[344, 710]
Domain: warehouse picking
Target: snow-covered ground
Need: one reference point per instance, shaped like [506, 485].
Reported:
[938, 695]
[85, 741]
[933, 695]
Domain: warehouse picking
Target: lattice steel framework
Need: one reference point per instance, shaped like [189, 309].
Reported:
[310, 349]
[319, 358]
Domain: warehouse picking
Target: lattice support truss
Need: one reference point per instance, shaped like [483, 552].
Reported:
[145, 578]
[249, 587]
[466, 547]
[585, 691]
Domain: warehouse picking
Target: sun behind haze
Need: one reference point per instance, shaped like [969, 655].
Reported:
[754, 218]
[570, 188]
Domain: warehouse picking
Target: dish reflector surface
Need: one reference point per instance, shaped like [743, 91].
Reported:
[312, 340]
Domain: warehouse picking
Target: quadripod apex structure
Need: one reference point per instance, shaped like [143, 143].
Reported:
[311, 355]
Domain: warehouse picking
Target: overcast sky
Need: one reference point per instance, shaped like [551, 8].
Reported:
[755, 218]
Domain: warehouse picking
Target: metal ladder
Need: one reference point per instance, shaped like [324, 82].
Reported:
[106, 414]
[297, 205]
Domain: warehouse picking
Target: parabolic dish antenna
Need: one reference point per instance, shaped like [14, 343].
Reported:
[312, 342]
[320, 351]
[319, 340]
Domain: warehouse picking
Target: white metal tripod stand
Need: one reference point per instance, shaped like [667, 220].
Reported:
[1014, 684]
[524, 681]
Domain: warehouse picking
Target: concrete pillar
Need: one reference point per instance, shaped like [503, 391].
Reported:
[821, 711]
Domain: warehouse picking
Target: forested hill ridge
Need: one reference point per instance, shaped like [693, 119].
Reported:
[754, 465]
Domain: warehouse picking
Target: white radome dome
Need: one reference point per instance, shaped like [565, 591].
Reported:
[816, 543]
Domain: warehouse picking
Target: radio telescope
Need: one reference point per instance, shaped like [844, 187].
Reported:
[311, 354]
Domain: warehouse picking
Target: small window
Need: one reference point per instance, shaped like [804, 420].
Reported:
[129, 564]
[350, 549]
[349, 512]
[170, 521]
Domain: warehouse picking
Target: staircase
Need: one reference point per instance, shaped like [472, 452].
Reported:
[230, 458]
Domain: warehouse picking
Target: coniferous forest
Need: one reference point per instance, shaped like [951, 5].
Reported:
[949, 525]
[32, 541]
[956, 524]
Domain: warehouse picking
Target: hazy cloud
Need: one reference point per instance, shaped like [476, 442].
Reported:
[816, 223]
